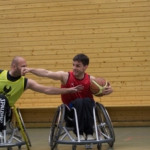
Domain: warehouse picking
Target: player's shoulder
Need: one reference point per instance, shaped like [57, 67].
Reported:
[92, 77]
[1, 71]
[62, 72]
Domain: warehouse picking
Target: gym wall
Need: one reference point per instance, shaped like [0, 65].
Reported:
[115, 34]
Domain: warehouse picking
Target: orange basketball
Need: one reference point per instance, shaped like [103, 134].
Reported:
[97, 86]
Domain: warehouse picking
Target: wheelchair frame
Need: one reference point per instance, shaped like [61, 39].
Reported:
[60, 134]
[11, 135]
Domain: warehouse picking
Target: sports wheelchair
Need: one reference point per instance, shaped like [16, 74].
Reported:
[13, 132]
[103, 129]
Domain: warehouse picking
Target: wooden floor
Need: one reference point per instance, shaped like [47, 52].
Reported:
[127, 138]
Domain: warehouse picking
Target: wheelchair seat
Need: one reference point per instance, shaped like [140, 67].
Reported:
[12, 134]
[61, 134]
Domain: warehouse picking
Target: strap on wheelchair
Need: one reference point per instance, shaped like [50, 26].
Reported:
[4, 109]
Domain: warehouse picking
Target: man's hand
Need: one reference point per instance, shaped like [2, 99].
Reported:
[107, 90]
[25, 70]
[75, 89]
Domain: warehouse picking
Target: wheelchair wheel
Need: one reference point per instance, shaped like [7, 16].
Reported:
[105, 123]
[22, 127]
[56, 126]
[9, 148]
[74, 147]
[99, 146]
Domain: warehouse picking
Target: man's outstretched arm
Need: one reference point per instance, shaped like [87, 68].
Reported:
[59, 75]
[33, 85]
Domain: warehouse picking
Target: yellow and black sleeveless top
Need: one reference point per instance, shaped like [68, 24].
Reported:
[11, 89]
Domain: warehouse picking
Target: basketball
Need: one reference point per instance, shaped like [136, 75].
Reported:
[97, 85]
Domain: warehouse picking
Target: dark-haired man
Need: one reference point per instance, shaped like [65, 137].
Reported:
[82, 101]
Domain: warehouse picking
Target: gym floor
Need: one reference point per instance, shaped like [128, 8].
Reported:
[127, 138]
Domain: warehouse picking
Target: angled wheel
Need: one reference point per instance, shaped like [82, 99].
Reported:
[19, 147]
[74, 147]
[9, 148]
[56, 126]
[105, 123]
[99, 146]
[22, 127]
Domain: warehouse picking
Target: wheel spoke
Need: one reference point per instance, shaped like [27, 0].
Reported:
[105, 123]
[56, 127]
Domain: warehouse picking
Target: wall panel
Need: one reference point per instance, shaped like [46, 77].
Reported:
[114, 34]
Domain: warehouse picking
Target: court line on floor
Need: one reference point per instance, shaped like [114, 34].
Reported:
[122, 135]
[125, 134]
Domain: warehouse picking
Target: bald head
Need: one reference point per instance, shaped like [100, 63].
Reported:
[16, 60]
[16, 65]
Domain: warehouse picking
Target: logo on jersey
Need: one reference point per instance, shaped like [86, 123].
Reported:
[72, 84]
[6, 90]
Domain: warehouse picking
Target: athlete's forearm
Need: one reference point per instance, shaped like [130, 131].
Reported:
[56, 91]
[39, 72]
[44, 73]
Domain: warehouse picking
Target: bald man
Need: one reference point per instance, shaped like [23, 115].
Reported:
[13, 85]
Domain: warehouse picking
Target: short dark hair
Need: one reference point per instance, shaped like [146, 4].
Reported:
[82, 58]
